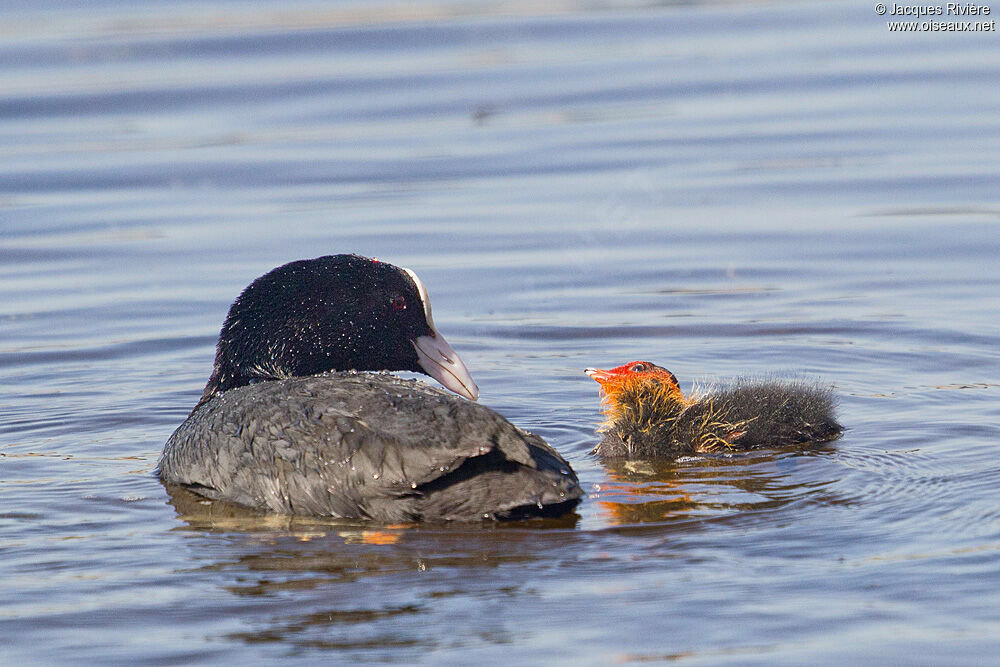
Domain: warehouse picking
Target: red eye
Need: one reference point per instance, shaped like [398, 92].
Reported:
[398, 303]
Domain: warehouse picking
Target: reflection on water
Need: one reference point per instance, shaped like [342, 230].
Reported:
[335, 569]
[706, 485]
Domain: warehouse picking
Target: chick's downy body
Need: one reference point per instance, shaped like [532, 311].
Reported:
[648, 415]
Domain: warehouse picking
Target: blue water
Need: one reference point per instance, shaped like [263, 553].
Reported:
[725, 189]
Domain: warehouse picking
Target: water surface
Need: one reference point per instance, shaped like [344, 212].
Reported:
[725, 189]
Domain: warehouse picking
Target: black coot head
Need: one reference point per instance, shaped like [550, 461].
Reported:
[339, 312]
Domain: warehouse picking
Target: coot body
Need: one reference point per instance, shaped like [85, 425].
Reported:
[279, 429]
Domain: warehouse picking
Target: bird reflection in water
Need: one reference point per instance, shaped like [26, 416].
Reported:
[708, 485]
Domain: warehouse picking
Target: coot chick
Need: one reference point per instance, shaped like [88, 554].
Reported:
[287, 424]
[648, 416]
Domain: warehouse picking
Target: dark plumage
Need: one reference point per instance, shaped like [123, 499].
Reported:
[365, 445]
[338, 312]
[648, 415]
[277, 430]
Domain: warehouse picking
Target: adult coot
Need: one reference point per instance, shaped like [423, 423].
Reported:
[287, 423]
[648, 416]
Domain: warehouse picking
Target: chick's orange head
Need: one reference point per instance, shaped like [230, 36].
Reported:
[613, 381]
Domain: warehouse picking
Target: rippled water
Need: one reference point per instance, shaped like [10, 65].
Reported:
[725, 189]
